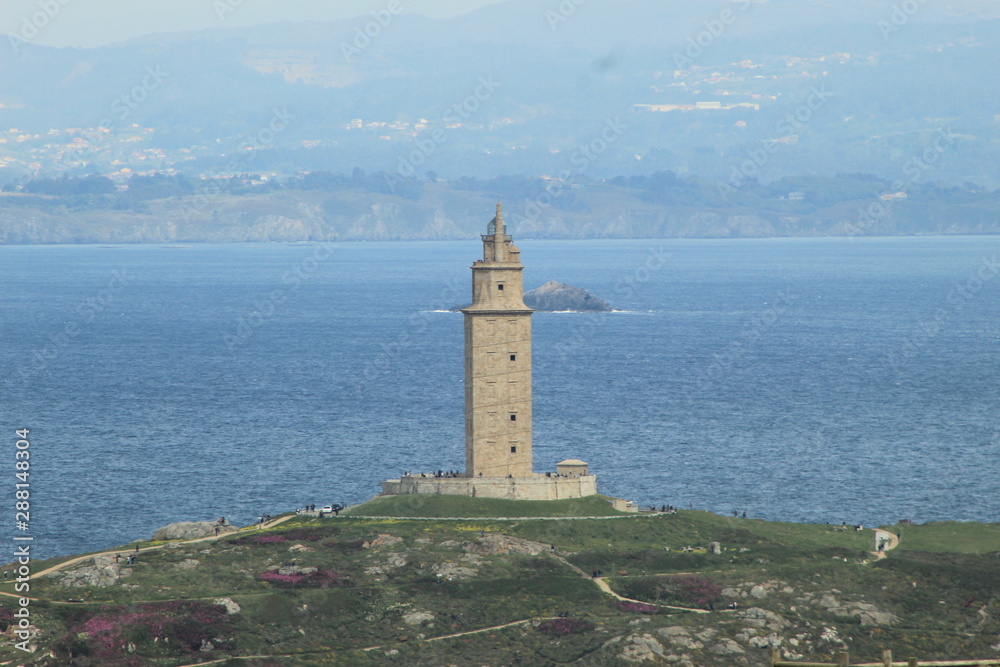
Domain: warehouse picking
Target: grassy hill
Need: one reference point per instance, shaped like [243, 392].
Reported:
[503, 589]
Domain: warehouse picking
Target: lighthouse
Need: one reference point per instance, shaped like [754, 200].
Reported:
[498, 362]
[498, 446]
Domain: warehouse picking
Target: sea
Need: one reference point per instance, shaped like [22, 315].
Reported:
[803, 379]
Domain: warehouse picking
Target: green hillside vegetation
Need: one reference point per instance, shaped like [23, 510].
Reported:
[458, 506]
[350, 590]
[950, 537]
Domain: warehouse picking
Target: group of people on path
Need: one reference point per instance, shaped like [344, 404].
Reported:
[440, 474]
[129, 560]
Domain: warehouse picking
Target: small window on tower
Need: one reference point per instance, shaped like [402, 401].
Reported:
[513, 418]
[500, 287]
[513, 450]
[513, 357]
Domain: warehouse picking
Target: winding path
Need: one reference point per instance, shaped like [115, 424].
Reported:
[80, 559]
[892, 541]
[606, 588]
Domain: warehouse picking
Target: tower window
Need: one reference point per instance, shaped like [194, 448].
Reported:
[513, 450]
[513, 357]
[513, 418]
[500, 287]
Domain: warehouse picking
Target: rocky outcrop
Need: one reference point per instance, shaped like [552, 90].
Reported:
[679, 636]
[558, 297]
[192, 530]
[381, 541]
[103, 572]
[451, 571]
[495, 544]
[231, 606]
[392, 561]
[762, 618]
[863, 612]
[418, 617]
[292, 570]
[640, 648]
[553, 297]
[727, 647]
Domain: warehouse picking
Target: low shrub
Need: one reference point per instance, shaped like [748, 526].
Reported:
[560, 627]
[114, 635]
[692, 589]
[297, 535]
[318, 579]
[638, 607]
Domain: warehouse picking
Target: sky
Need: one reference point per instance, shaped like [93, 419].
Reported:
[99, 22]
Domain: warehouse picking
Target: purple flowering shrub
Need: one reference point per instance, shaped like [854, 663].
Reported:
[318, 579]
[560, 627]
[114, 636]
[693, 589]
[686, 590]
[638, 607]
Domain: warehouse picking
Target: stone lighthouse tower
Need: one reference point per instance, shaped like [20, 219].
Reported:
[498, 458]
[498, 362]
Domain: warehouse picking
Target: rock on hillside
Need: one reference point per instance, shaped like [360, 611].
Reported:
[553, 296]
[192, 530]
[102, 573]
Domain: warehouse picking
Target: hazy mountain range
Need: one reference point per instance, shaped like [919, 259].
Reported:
[735, 91]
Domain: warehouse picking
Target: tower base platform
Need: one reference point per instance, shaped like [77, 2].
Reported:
[535, 487]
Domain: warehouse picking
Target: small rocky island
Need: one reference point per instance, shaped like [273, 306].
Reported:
[555, 297]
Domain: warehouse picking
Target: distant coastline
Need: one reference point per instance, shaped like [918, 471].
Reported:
[295, 214]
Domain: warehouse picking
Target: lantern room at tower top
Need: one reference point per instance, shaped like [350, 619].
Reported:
[498, 400]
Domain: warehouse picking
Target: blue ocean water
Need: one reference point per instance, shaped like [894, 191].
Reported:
[797, 379]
